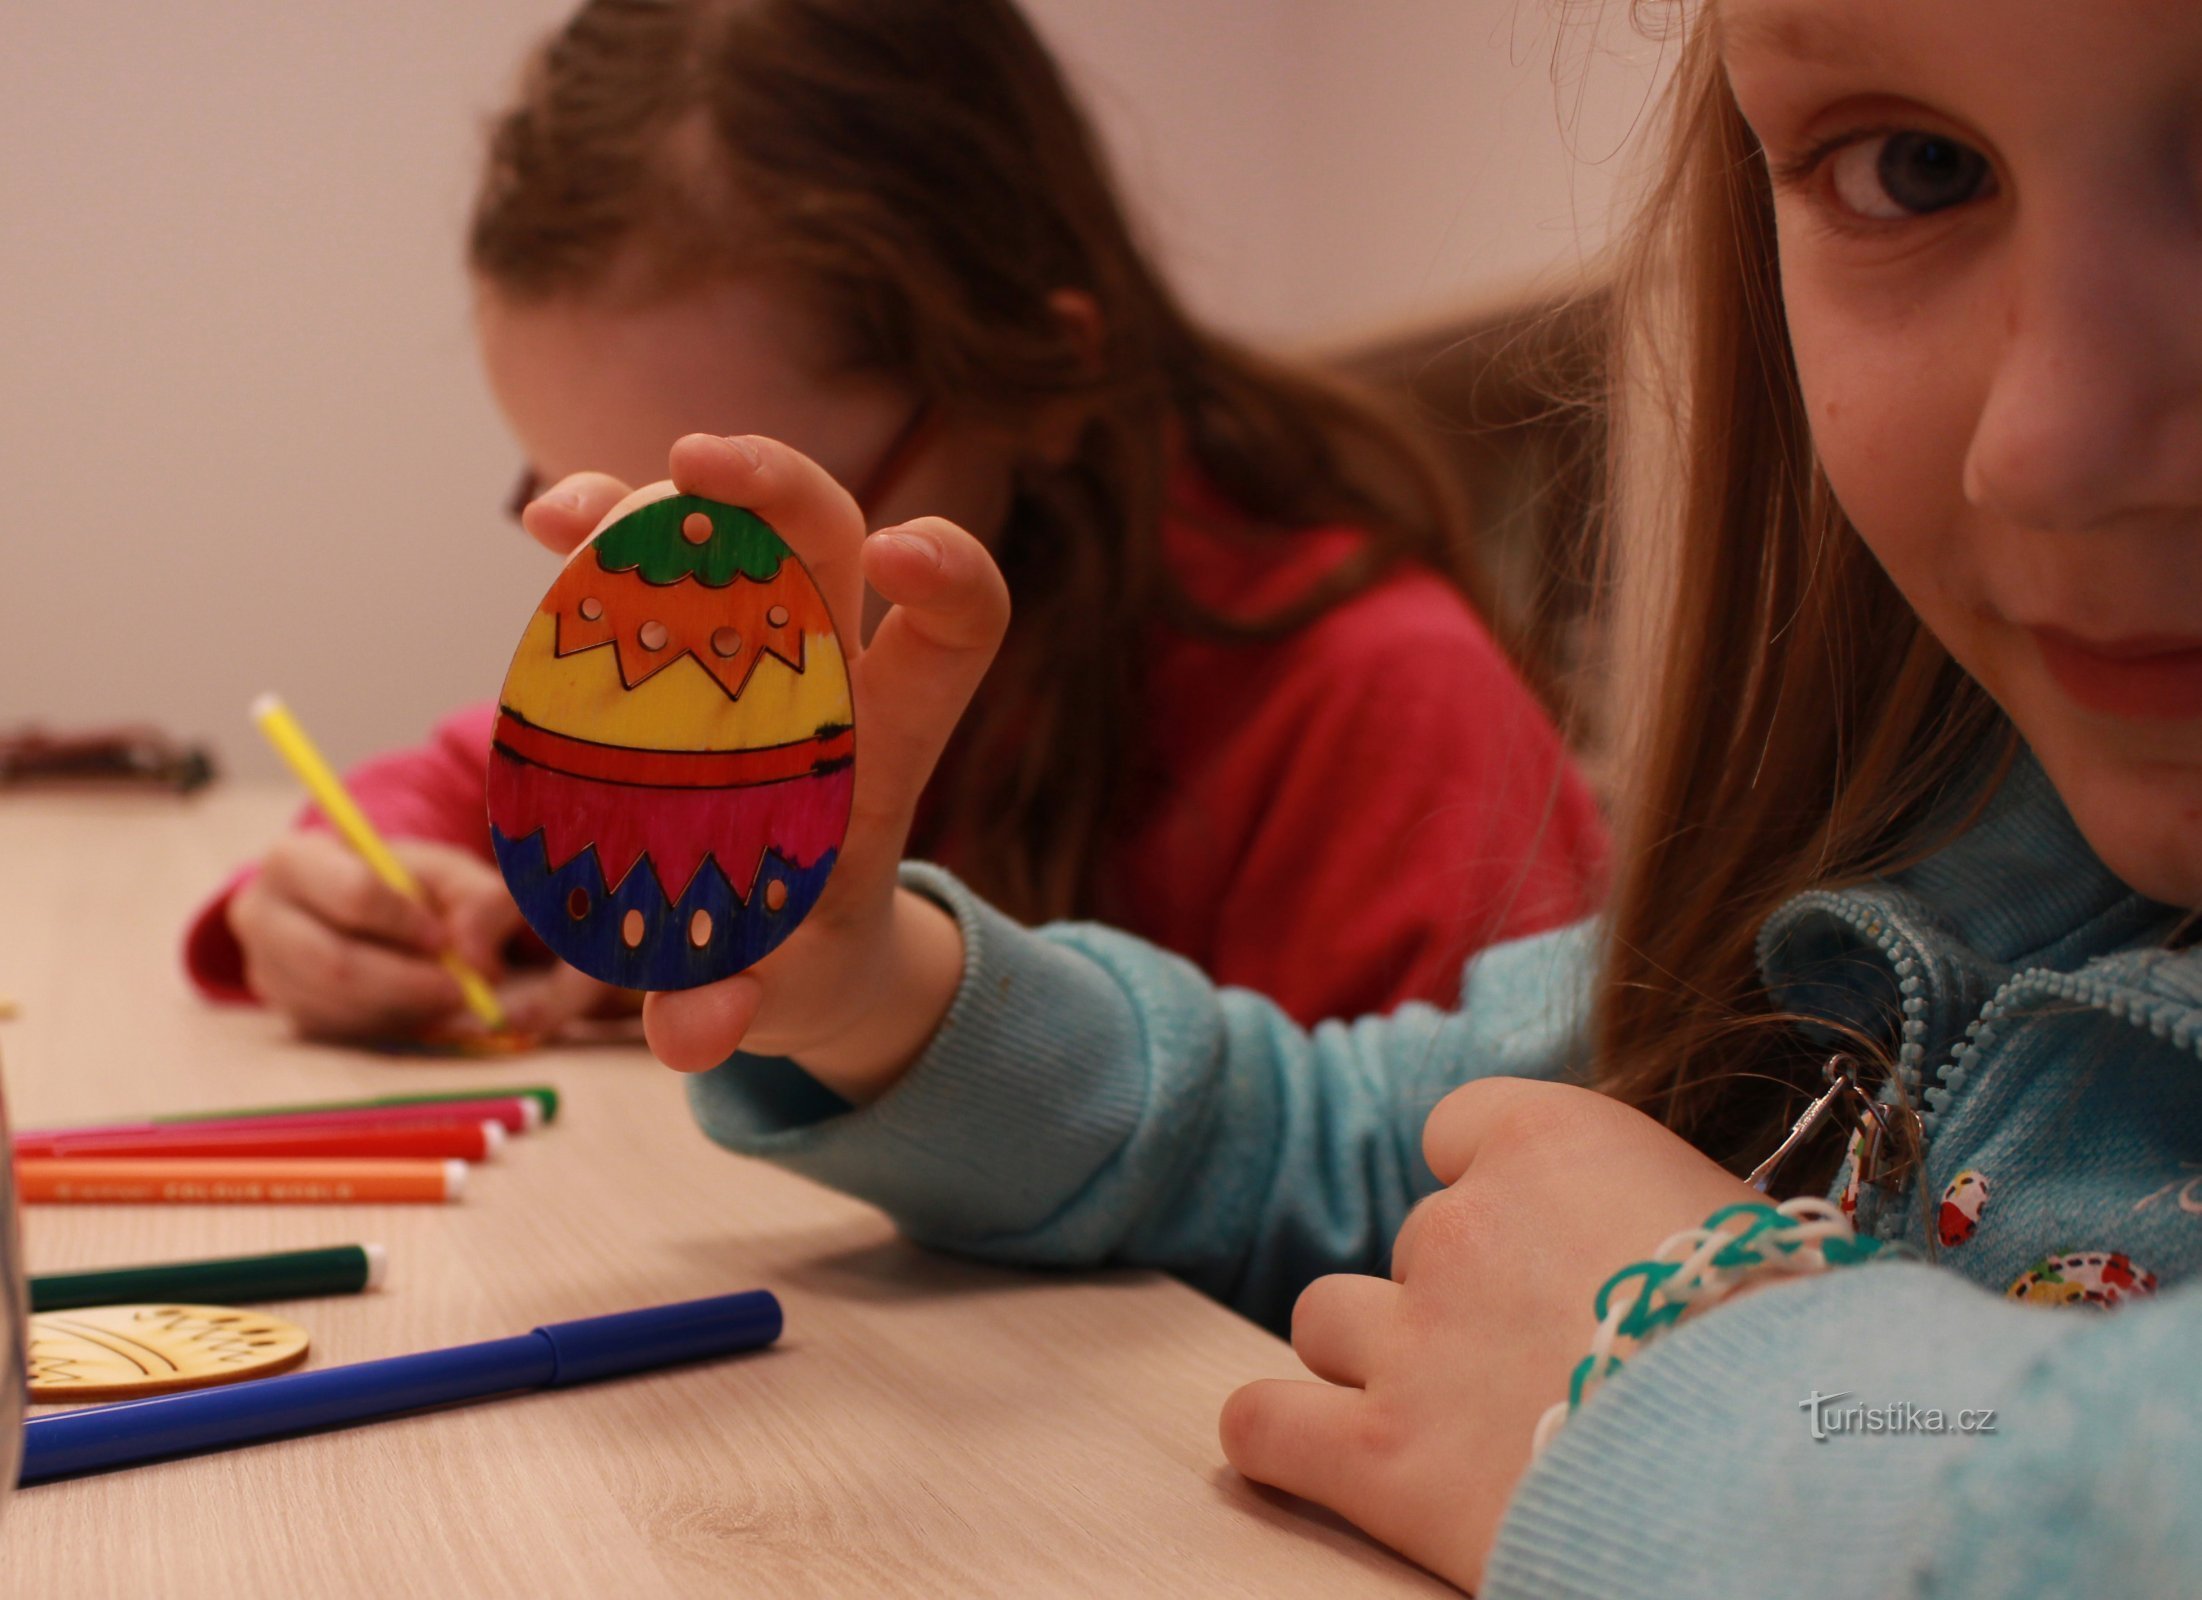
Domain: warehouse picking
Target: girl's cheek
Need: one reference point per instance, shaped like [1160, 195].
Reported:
[1894, 393]
[1892, 400]
[1866, 427]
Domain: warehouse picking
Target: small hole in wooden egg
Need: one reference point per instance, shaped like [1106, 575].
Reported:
[591, 609]
[630, 929]
[776, 895]
[696, 527]
[577, 903]
[726, 642]
[777, 616]
[699, 929]
[653, 635]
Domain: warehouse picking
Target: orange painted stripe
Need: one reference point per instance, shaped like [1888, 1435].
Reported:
[669, 769]
[594, 607]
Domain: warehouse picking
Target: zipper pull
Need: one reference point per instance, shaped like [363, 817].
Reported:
[1840, 1081]
[1889, 1135]
[1889, 1147]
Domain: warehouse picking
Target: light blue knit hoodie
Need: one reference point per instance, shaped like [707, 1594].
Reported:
[1091, 1099]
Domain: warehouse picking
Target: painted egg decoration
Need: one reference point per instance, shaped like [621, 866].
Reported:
[2083, 1277]
[674, 754]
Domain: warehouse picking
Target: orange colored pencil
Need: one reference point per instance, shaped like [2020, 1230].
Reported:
[97, 1180]
[465, 1141]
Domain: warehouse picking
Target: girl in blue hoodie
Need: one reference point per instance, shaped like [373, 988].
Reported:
[1913, 831]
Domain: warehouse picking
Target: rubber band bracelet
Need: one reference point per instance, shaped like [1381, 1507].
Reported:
[1696, 1269]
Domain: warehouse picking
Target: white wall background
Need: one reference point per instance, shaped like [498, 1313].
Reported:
[242, 439]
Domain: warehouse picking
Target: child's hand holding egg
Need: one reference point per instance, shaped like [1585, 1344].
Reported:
[858, 989]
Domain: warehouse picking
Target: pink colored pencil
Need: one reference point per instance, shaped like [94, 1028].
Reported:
[517, 1114]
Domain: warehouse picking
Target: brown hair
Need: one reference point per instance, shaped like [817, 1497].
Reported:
[921, 170]
[1802, 726]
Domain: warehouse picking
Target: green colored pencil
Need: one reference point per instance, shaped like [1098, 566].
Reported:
[542, 1094]
[286, 1275]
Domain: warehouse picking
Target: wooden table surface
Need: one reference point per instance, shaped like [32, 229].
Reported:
[926, 1426]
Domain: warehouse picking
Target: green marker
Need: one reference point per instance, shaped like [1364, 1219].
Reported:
[286, 1275]
[542, 1094]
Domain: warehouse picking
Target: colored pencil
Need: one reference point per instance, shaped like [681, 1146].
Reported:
[516, 1116]
[463, 1141]
[94, 1438]
[542, 1094]
[338, 806]
[104, 1180]
[223, 1281]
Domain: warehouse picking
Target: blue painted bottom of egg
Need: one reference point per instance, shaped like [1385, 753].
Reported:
[666, 956]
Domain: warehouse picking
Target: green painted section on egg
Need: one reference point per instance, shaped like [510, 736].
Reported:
[650, 540]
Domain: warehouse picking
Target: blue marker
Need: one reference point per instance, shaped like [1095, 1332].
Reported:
[551, 1357]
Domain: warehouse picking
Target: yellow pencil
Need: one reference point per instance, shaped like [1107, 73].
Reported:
[336, 803]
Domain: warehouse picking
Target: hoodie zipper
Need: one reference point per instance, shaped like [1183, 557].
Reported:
[2168, 1020]
[1910, 963]
[1907, 960]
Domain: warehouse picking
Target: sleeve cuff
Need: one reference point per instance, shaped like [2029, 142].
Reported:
[1034, 1083]
[212, 958]
[1695, 1471]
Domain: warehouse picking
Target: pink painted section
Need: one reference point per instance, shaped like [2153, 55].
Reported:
[801, 819]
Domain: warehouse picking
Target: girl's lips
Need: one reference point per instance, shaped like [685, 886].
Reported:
[2159, 678]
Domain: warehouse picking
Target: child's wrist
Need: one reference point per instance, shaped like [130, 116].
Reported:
[1739, 1249]
[907, 991]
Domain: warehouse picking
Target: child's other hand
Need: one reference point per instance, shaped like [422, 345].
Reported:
[1432, 1382]
[344, 955]
[860, 987]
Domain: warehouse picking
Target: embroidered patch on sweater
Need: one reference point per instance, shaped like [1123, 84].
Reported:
[1962, 1203]
[2084, 1277]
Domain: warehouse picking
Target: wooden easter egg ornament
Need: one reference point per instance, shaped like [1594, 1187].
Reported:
[674, 754]
[127, 1352]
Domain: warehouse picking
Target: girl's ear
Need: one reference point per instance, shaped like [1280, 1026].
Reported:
[1058, 424]
[1079, 315]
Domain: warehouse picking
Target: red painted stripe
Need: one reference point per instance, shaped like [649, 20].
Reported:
[800, 820]
[670, 769]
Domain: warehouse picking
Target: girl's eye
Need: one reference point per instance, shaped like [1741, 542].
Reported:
[1900, 175]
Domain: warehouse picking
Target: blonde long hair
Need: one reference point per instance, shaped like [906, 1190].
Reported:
[1800, 726]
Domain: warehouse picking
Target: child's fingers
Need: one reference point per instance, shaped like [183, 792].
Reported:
[943, 583]
[1297, 1436]
[803, 502]
[693, 1030]
[1442, 1227]
[330, 984]
[479, 931]
[911, 685]
[544, 1002]
[1473, 1114]
[950, 608]
[569, 510]
[323, 876]
[1338, 1326]
[470, 897]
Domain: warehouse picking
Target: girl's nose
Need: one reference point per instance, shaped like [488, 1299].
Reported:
[2094, 407]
